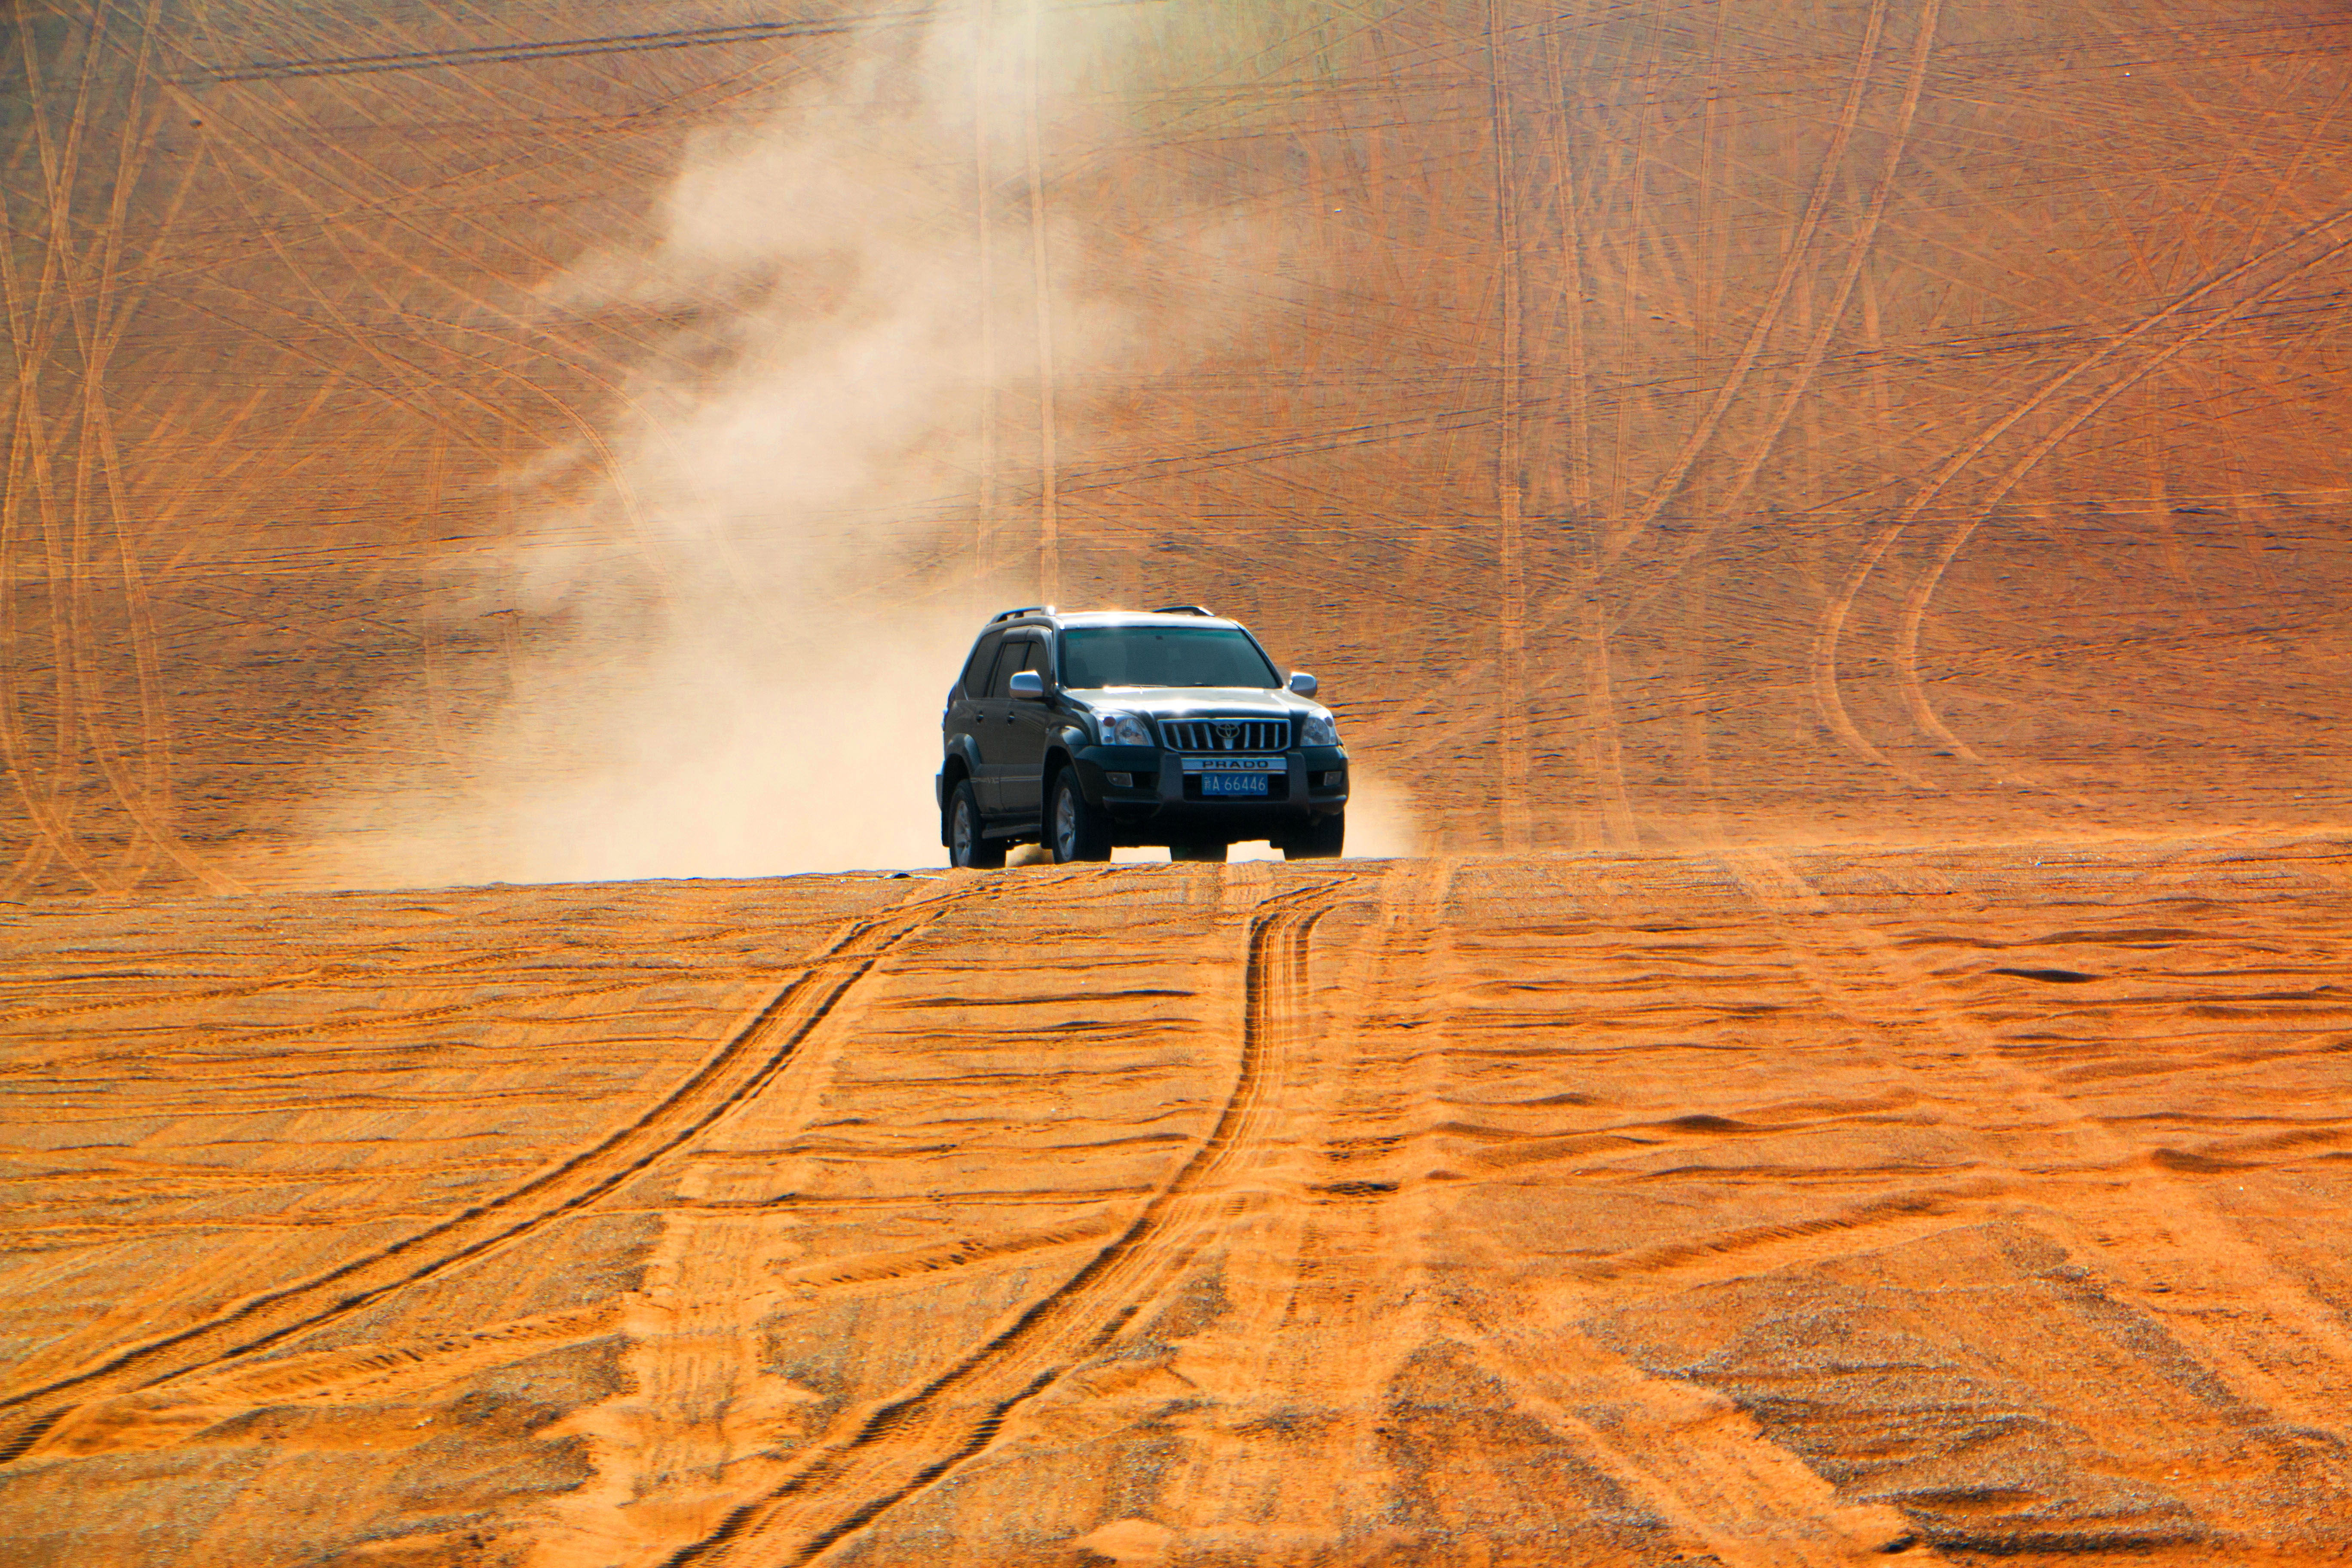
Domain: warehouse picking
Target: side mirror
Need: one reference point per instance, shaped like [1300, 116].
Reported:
[1029, 684]
[1302, 683]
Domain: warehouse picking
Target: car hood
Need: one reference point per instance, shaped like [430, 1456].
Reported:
[1188, 701]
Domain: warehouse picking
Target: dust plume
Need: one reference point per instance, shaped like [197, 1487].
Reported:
[733, 617]
[1384, 821]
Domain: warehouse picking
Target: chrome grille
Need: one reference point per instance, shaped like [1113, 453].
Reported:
[1211, 735]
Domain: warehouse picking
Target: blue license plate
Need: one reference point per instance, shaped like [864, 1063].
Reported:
[1232, 784]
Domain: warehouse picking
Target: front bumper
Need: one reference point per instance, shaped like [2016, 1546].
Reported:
[1158, 790]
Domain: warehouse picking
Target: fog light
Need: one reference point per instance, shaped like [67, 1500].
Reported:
[1120, 781]
[1334, 779]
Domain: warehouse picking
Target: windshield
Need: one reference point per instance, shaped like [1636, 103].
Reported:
[1095, 657]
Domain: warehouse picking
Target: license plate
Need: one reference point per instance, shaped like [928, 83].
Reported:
[1232, 784]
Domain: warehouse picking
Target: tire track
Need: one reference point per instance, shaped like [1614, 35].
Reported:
[1915, 609]
[1049, 523]
[1290, 1266]
[1857, 256]
[88, 322]
[1609, 817]
[1706, 1467]
[1707, 1472]
[30, 472]
[334, 229]
[149, 802]
[555, 48]
[1678, 471]
[1826, 640]
[898, 1449]
[97, 307]
[2160, 1245]
[1509, 459]
[740, 1068]
[984, 527]
[422, 389]
[142, 1422]
[1593, 627]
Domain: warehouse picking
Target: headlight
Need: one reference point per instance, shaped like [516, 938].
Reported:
[1318, 731]
[1123, 730]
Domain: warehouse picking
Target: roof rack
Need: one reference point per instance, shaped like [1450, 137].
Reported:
[1024, 610]
[1185, 610]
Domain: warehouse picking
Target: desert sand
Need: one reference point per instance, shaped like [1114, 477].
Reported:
[1828, 533]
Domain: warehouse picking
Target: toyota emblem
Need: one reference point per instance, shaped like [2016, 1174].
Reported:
[1225, 733]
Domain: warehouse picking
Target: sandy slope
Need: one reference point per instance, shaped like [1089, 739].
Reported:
[1909, 420]
[1741, 1207]
[1835, 512]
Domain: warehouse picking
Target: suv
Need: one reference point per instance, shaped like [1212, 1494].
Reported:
[1119, 728]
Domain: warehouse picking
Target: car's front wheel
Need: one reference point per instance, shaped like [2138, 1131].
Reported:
[1078, 831]
[1321, 839]
[966, 848]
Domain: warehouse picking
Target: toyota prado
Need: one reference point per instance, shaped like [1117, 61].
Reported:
[1088, 731]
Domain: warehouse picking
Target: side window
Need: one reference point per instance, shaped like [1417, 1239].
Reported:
[975, 669]
[1016, 656]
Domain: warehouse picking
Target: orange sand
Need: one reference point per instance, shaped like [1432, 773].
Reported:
[1830, 521]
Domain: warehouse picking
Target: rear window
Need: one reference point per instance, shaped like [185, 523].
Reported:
[1096, 657]
[976, 671]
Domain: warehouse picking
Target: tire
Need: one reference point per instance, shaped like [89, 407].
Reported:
[1320, 840]
[1075, 830]
[1211, 851]
[966, 848]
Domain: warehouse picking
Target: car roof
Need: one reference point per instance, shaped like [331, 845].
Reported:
[1141, 618]
[1111, 618]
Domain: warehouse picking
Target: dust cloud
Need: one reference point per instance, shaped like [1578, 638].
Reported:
[1384, 821]
[734, 614]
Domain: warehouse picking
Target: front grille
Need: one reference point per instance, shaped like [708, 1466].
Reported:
[1226, 734]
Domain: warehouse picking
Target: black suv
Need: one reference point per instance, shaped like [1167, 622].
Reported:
[1119, 728]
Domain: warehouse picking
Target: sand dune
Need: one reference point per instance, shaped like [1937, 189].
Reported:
[453, 451]
[1826, 524]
